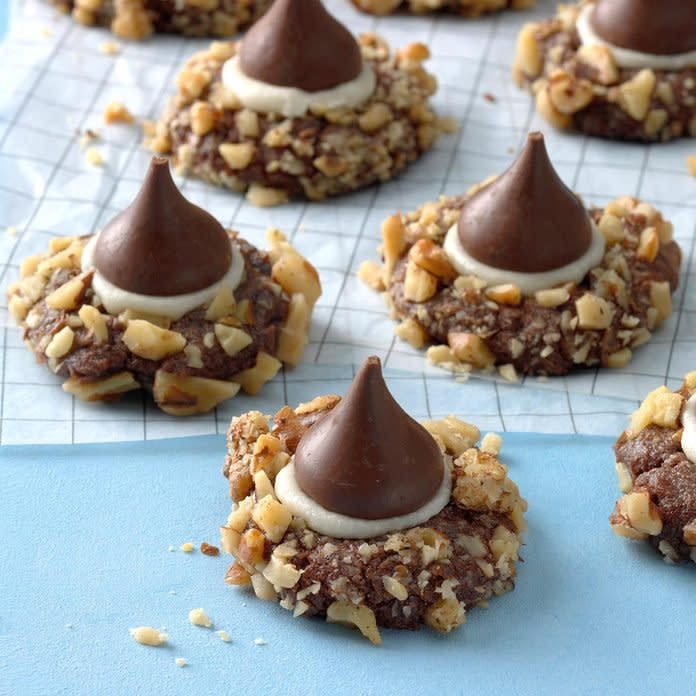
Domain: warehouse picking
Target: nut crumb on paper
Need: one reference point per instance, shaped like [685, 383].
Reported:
[260, 641]
[146, 635]
[691, 164]
[93, 157]
[180, 661]
[117, 112]
[187, 547]
[11, 230]
[198, 617]
[110, 48]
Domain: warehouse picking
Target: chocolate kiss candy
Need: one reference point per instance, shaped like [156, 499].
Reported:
[527, 220]
[162, 244]
[297, 43]
[367, 457]
[663, 27]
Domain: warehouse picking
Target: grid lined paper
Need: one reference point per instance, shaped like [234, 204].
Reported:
[54, 81]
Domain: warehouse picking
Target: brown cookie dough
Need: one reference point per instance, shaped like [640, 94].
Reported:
[431, 574]
[581, 87]
[466, 8]
[596, 322]
[189, 364]
[138, 19]
[325, 153]
[656, 477]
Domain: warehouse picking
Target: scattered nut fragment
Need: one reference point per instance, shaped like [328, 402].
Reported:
[61, 343]
[209, 550]
[116, 112]
[103, 389]
[370, 273]
[691, 164]
[187, 547]
[146, 635]
[198, 617]
[180, 395]
[223, 635]
[110, 48]
[260, 641]
[634, 95]
[93, 157]
[231, 339]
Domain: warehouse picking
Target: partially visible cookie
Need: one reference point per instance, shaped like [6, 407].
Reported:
[544, 286]
[467, 8]
[327, 115]
[582, 81]
[138, 19]
[412, 557]
[656, 468]
[165, 299]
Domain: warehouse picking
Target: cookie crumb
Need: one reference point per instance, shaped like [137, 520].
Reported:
[93, 157]
[12, 231]
[224, 636]
[490, 97]
[180, 661]
[187, 547]
[209, 549]
[171, 549]
[198, 617]
[116, 112]
[691, 164]
[146, 635]
[260, 641]
[110, 48]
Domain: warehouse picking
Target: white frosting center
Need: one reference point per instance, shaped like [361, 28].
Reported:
[117, 300]
[291, 101]
[626, 57]
[688, 441]
[528, 283]
[334, 524]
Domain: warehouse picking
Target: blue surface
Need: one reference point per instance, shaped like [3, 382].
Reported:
[4, 16]
[84, 533]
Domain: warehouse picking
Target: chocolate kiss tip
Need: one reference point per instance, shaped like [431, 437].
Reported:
[297, 43]
[527, 220]
[161, 244]
[667, 27]
[367, 458]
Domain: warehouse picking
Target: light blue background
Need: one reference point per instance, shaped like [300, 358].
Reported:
[84, 533]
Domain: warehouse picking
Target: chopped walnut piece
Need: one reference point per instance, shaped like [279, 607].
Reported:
[198, 617]
[209, 550]
[181, 395]
[357, 615]
[99, 390]
[470, 348]
[150, 341]
[594, 312]
[272, 517]
[254, 378]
